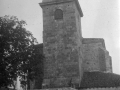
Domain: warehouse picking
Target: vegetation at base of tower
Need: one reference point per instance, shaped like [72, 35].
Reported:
[33, 70]
[17, 52]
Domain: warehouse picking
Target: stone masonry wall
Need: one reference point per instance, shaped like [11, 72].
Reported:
[96, 57]
[79, 33]
[91, 57]
[110, 61]
[94, 40]
[102, 58]
[61, 46]
[109, 64]
[105, 60]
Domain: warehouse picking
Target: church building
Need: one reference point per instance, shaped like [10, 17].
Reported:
[70, 59]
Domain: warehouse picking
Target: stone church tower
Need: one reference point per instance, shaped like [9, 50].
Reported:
[62, 43]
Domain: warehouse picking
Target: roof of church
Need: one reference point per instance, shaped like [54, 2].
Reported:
[100, 80]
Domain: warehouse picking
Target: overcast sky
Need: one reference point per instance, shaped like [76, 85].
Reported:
[100, 20]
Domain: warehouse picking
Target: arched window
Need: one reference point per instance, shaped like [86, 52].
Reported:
[58, 14]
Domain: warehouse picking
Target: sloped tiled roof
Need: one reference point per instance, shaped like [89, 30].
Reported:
[99, 80]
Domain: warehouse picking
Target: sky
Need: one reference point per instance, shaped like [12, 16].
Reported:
[100, 20]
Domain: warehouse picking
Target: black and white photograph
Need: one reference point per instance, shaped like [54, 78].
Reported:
[59, 44]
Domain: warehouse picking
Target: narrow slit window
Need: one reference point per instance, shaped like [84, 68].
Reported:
[58, 15]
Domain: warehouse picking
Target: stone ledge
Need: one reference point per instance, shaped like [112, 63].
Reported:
[63, 1]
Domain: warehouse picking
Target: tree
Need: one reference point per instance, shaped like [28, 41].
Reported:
[16, 50]
[33, 67]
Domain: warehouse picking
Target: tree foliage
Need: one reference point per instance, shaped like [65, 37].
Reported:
[32, 69]
[17, 52]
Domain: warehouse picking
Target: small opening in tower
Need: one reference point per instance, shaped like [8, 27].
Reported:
[58, 15]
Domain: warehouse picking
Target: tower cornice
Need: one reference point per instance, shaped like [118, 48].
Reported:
[63, 1]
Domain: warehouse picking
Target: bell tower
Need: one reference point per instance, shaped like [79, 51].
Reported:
[62, 43]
